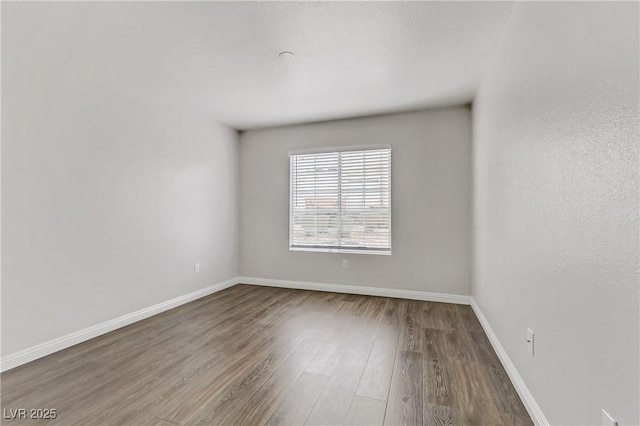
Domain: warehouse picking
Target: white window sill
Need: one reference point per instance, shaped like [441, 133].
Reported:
[342, 251]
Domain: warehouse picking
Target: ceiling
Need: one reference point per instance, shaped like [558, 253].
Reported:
[351, 58]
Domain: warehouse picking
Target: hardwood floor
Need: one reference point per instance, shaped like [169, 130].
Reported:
[258, 355]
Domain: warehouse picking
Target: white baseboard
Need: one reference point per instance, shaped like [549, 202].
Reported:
[27, 355]
[525, 395]
[355, 289]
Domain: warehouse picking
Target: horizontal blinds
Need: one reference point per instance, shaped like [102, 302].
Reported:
[341, 200]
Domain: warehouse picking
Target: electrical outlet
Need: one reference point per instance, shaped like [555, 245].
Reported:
[530, 340]
[607, 420]
[196, 268]
[345, 264]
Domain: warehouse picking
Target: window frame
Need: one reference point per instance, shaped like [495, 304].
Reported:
[320, 249]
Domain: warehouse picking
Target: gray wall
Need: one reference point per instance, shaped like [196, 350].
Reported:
[556, 203]
[110, 192]
[431, 202]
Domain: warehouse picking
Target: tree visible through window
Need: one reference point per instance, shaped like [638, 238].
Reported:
[341, 201]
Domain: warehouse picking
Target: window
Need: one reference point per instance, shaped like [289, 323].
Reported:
[341, 201]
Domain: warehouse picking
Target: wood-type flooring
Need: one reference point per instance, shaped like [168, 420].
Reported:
[252, 355]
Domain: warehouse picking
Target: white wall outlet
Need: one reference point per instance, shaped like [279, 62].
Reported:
[607, 420]
[345, 264]
[196, 268]
[530, 340]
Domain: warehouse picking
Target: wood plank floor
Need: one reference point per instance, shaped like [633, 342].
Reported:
[258, 355]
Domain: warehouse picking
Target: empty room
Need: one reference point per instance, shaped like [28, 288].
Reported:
[320, 213]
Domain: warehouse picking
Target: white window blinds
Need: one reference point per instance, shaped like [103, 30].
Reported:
[341, 201]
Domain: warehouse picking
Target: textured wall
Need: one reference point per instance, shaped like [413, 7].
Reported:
[109, 195]
[556, 205]
[431, 202]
